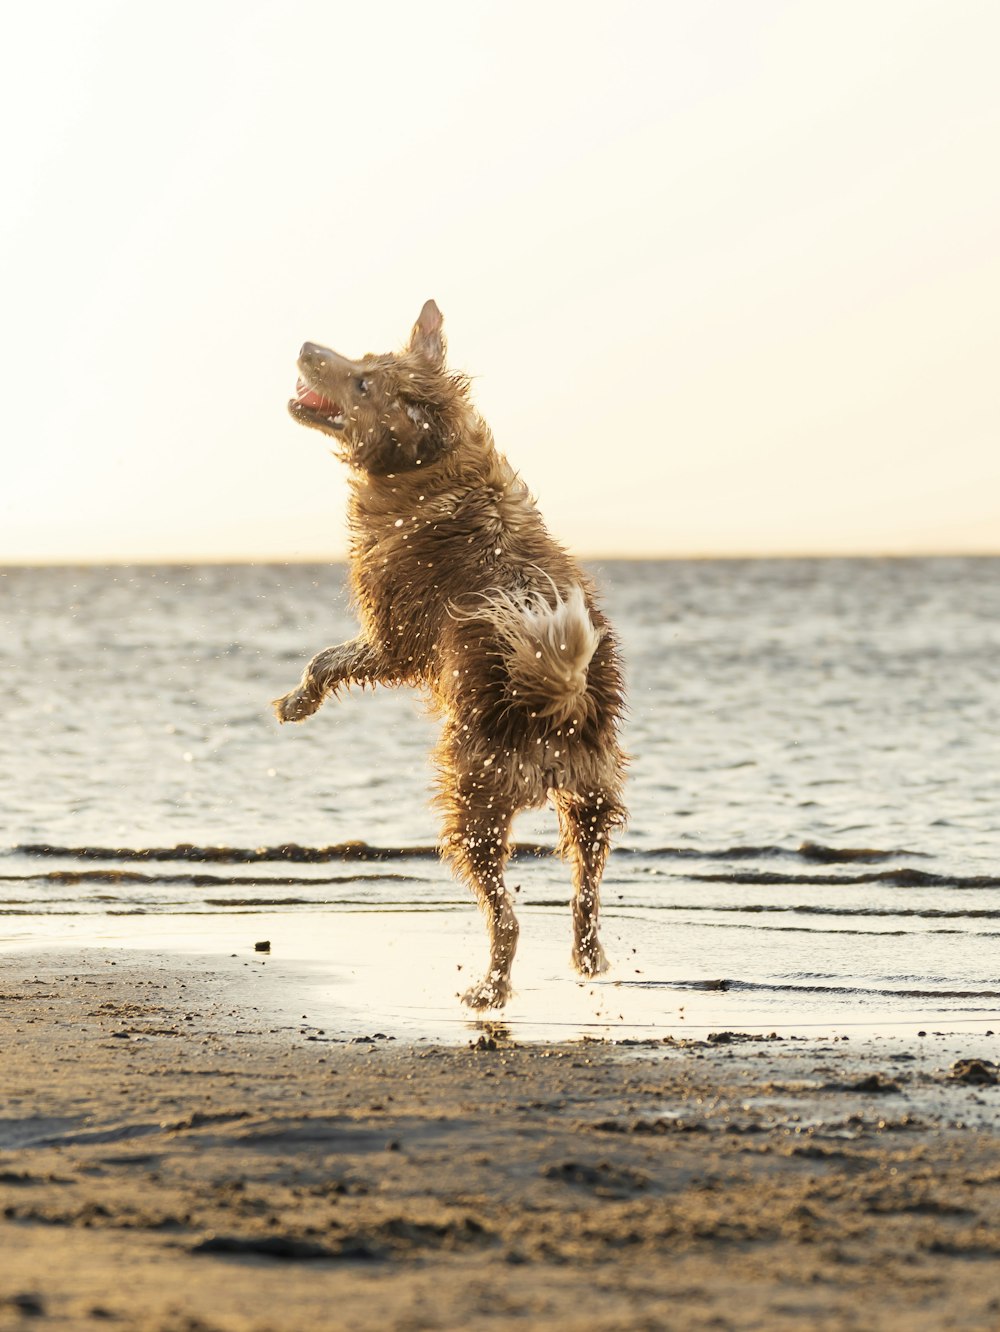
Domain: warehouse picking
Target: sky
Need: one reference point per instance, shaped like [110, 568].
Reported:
[726, 273]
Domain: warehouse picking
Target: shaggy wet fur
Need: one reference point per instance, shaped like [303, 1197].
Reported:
[460, 590]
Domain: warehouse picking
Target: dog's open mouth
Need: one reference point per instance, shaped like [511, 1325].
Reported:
[308, 402]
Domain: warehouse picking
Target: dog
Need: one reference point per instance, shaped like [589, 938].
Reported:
[461, 591]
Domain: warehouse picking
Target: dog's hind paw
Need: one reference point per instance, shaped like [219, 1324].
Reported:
[590, 960]
[296, 706]
[491, 992]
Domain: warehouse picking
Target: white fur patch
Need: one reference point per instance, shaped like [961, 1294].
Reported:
[549, 648]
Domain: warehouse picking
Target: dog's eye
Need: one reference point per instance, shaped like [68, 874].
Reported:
[363, 386]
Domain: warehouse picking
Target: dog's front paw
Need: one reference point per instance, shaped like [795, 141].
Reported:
[491, 992]
[296, 706]
[589, 959]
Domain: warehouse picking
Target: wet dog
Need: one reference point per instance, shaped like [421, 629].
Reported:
[461, 591]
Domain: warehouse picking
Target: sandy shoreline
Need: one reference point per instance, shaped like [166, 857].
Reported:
[172, 1157]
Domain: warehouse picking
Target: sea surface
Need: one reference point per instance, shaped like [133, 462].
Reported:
[814, 788]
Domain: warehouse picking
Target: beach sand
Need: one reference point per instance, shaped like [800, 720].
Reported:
[174, 1159]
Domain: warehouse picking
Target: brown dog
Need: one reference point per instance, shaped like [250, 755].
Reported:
[461, 590]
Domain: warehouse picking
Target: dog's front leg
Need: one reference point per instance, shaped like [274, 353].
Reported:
[347, 663]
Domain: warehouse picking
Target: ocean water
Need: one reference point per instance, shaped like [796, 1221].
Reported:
[814, 791]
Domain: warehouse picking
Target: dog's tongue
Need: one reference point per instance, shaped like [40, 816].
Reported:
[310, 398]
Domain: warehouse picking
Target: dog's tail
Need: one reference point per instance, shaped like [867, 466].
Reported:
[547, 646]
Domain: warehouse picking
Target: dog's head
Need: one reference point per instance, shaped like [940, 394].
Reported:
[388, 414]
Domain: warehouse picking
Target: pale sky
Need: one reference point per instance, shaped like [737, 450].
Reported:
[727, 273]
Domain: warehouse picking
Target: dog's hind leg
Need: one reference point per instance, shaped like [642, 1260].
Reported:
[347, 663]
[475, 841]
[585, 825]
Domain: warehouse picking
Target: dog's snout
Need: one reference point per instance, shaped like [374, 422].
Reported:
[313, 356]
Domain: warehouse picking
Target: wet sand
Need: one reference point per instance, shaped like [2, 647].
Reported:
[177, 1155]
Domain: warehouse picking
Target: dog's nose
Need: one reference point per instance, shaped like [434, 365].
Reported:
[310, 349]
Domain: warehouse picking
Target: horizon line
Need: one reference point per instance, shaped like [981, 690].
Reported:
[192, 561]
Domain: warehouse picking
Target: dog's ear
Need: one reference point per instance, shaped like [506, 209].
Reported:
[428, 334]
